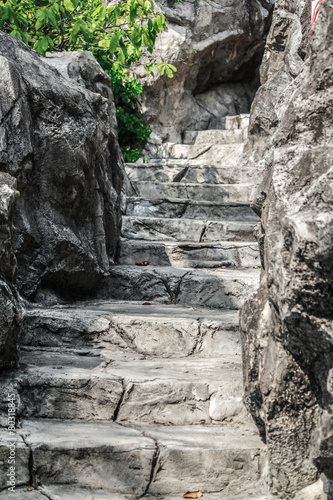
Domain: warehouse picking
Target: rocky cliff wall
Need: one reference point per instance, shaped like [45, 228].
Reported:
[58, 139]
[11, 311]
[217, 48]
[287, 326]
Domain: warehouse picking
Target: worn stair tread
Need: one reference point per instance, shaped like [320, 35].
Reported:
[64, 492]
[192, 172]
[218, 288]
[184, 229]
[215, 136]
[204, 203]
[75, 434]
[227, 274]
[190, 245]
[134, 309]
[189, 254]
[72, 492]
[72, 365]
[135, 328]
[129, 388]
[216, 153]
[192, 191]
[142, 459]
[190, 209]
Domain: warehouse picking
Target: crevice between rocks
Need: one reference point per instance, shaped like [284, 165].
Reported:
[154, 467]
[198, 342]
[120, 402]
[32, 475]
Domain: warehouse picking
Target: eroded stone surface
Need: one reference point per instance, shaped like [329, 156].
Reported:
[59, 141]
[222, 288]
[288, 324]
[11, 309]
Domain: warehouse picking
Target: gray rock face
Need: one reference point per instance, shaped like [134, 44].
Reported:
[217, 49]
[58, 138]
[11, 311]
[287, 325]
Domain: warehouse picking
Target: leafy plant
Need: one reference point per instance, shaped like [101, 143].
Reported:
[116, 35]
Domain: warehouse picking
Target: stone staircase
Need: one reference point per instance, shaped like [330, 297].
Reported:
[140, 396]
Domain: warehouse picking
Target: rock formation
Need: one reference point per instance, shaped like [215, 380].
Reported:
[216, 48]
[11, 311]
[287, 325]
[58, 139]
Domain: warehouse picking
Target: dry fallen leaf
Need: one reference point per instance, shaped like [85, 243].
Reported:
[146, 304]
[193, 494]
[30, 488]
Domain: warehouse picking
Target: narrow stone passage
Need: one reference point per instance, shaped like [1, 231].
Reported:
[141, 395]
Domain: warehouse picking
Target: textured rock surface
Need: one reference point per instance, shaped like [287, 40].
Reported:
[58, 138]
[217, 48]
[287, 326]
[11, 311]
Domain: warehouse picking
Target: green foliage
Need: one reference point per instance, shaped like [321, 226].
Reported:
[116, 35]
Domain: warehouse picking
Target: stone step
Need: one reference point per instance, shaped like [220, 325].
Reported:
[221, 289]
[70, 492]
[205, 137]
[193, 255]
[199, 173]
[19, 452]
[216, 154]
[237, 121]
[192, 191]
[146, 459]
[77, 385]
[185, 230]
[156, 330]
[190, 209]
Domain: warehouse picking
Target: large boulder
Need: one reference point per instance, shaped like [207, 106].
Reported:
[59, 140]
[287, 330]
[217, 48]
[11, 310]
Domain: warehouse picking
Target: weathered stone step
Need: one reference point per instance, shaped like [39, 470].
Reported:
[221, 289]
[192, 191]
[204, 137]
[190, 209]
[135, 461]
[155, 330]
[70, 492]
[215, 154]
[199, 231]
[196, 255]
[237, 121]
[192, 172]
[73, 385]
[20, 451]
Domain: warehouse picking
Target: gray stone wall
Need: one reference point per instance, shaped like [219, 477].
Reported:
[11, 310]
[59, 140]
[287, 326]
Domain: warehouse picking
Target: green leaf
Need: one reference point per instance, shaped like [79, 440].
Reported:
[104, 43]
[75, 32]
[69, 5]
[41, 45]
[113, 44]
[50, 17]
[121, 55]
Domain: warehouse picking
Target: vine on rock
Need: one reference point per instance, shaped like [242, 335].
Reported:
[116, 34]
